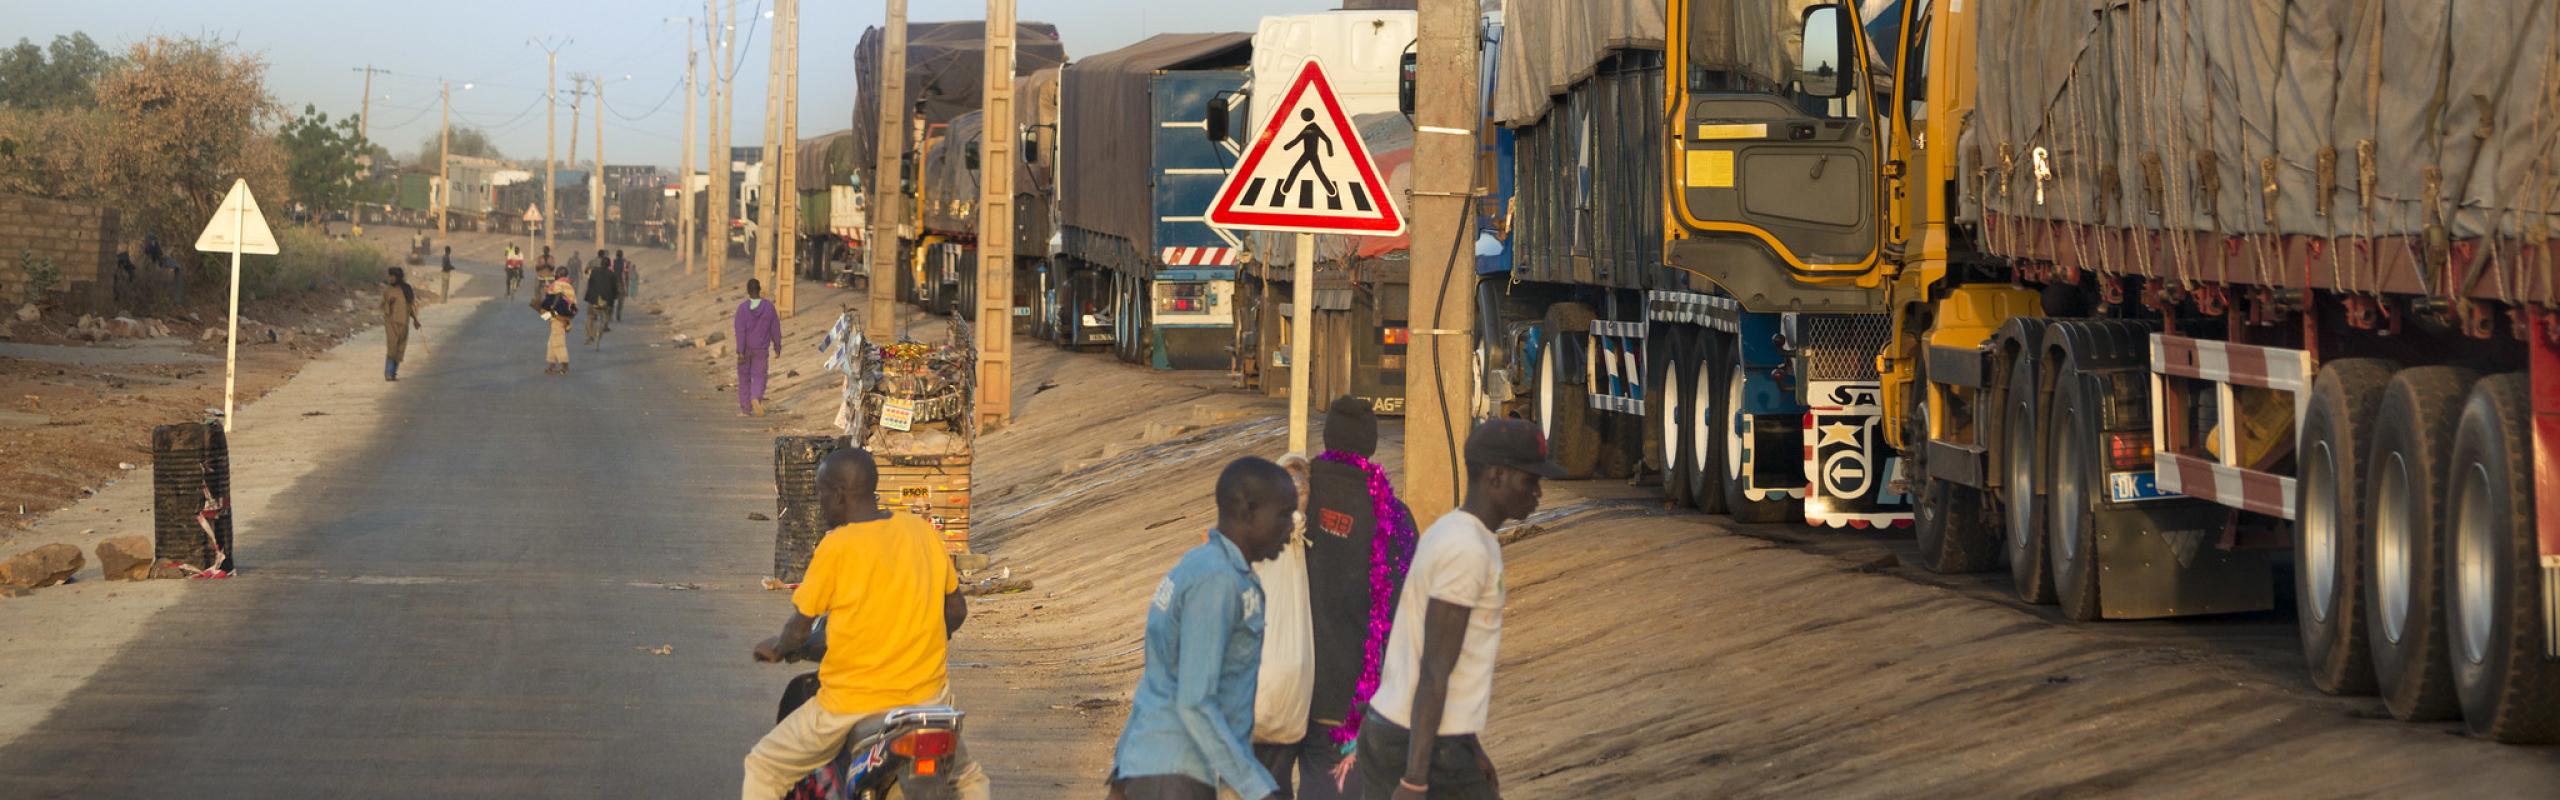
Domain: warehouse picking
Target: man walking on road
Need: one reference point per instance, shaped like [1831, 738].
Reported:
[1360, 540]
[1438, 670]
[892, 601]
[399, 315]
[604, 289]
[558, 304]
[629, 277]
[756, 328]
[446, 294]
[1193, 708]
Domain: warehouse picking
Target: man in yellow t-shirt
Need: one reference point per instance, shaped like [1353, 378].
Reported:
[892, 601]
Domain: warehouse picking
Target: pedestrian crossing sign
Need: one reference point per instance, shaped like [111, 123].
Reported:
[1308, 171]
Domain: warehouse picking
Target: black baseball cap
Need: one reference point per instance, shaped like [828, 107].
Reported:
[1513, 443]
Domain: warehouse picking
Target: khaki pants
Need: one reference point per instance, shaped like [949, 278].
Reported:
[812, 736]
[559, 352]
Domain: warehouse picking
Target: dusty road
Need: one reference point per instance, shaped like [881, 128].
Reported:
[453, 596]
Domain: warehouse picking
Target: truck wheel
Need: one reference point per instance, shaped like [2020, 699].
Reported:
[2071, 529]
[1950, 522]
[2508, 691]
[2029, 572]
[1564, 413]
[2404, 581]
[1701, 426]
[1066, 316]
[1666, 411]
[2332, 540]
[1737, 498]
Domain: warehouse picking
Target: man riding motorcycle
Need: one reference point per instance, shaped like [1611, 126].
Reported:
[892, 601]
[515, 269]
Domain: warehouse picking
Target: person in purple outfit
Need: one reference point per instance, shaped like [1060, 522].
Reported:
[757, 329]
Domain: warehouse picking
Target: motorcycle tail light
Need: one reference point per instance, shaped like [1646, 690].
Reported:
[924, 745]
[926, 767]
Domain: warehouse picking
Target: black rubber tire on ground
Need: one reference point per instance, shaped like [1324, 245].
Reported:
[2074, 478]
[2332, 540]
[2404, 582]
[1737, 501]
[1703, 426]
[1126, 341]
[2508, 691]
[1952, 527]
[2029, 571]
[1571, 425]
[1666, 411]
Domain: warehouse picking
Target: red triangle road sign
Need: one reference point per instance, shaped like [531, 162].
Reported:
[1321, 179]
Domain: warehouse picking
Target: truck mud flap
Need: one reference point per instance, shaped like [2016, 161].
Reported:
[2165, 561]
[1190, 348]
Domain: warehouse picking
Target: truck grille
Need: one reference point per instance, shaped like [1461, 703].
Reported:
[1842, 347]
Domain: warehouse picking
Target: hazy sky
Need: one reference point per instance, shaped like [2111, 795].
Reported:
[315, 48]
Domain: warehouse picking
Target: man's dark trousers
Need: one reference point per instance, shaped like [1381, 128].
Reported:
[1457, 763]
[1309, 762]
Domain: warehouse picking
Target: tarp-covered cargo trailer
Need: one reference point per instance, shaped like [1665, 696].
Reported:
[946, 65]
[1136, 175]
[1035, 111]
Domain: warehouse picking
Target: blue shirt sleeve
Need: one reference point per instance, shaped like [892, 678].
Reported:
[1209, 612]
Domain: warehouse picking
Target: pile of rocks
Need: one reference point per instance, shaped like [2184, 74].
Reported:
[124, 558]
[98, 329]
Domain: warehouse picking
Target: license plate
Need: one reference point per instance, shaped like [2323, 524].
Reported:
[2126, 487]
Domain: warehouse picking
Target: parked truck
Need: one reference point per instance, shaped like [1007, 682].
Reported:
[2174, 289]
[1142, 271]
[1736, 360]
[1361, 281]
[947, 266]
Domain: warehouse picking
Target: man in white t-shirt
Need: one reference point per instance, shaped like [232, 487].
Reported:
[1437, 674]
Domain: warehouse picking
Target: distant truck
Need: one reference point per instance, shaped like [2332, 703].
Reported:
[1142, 271]
[1361, 281]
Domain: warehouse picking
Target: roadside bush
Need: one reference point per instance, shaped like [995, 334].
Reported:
[308, 262]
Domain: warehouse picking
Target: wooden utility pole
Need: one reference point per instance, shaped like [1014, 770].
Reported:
[786, 198]
[768, 173]
[444, 160]
[1439, 408]
[685, 245]
[595, 181]
[998, 141]
[880, 251]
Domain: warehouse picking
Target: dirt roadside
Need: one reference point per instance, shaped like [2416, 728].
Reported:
[1648, 654]
[74, 413]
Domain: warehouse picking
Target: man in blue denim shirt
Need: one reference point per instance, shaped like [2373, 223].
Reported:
[1194, 705]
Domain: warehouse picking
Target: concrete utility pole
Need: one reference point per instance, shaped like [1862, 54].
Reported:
[716, 235]
[444, 160]
[880, 251]
[364, 130]
[786, 198]
[595, 182]
[769, 177]
[1438, 382]
[685, 245]
[998, 141]
[550, 135]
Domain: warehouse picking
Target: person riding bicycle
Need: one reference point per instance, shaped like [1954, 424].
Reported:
[515, 269]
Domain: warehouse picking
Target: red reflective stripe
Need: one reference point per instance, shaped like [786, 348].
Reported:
[2544, 377]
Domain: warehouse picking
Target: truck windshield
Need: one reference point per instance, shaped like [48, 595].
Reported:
[1752, 46]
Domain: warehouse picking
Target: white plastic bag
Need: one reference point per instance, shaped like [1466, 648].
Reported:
[1286, 684]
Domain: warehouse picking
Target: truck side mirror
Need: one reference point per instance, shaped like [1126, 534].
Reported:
[973, 156]
[1215, 113]
[1828, 54]
[1404, 83]
[1030, 145]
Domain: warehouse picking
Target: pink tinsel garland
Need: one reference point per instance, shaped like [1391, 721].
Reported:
[1390, 554]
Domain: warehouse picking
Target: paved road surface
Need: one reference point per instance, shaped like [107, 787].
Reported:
[463, 609]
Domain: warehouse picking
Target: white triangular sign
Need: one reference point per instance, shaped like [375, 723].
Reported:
[1323, 180]
[238, 226]
[532, 213]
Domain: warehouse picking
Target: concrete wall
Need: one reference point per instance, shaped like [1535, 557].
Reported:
[79, 239]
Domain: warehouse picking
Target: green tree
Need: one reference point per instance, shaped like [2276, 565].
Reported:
[29, 79]
[467, 141]
[321, 158]
[187, 117]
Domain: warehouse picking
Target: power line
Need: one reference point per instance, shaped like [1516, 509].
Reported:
[662, 104]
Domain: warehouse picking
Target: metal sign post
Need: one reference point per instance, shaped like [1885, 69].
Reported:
[247, 233]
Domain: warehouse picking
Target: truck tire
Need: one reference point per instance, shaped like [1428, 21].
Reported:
[1666, 411]
[1069, 315]
[2508, 691]
[2332, 540]
[1564, 413]
[2029, 572]
[1125, 337]
[2405, 492]
[2073, 477]
[1951, 521]
[1737, 498]
[1706, 439]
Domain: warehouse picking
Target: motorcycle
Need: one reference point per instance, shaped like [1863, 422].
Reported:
[905, 753]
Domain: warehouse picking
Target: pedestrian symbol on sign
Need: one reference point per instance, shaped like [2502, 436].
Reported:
[1321, 179]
